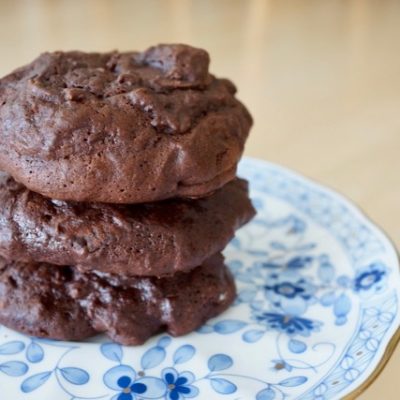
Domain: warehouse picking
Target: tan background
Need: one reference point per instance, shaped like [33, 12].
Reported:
[322, 79]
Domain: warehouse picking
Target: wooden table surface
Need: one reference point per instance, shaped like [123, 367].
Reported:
[322, 79]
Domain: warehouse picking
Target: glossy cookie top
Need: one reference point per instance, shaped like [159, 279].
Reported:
[121, 127]
[155, 239]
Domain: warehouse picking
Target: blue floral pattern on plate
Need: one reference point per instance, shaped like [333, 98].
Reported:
[317, 304]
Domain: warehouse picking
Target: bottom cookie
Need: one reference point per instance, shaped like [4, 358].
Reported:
[63, 303]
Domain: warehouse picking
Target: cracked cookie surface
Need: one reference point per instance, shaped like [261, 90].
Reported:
[121, 127]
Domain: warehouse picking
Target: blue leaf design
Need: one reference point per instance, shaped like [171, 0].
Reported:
[341, 320]
[153, 357]
[253, 335]
[328, 299]
[205, 329]
[164, 341]
[271, 265]
[235, 242]
[257, 203]
[34, 352]
[13, 347]
[277, 245]
[184, 354]
[35, 381]
[247, 295]
[14, 368]
[344, 281]
[156, 388]
[306, 247]
[293, 381]
[111, 376]
[299, 262]
[266, 394]
[235, 265]
[297, 346]
[326, 272]
[342, 305]
[112, 351]
[258, 253]
[229, 326]
[223, 386]
[245, 278]
[219, 362]
[298, 225]
[76, 376]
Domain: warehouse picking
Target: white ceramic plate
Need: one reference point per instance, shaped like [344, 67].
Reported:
[317, 308]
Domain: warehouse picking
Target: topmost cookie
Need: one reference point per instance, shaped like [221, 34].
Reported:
[121, 127]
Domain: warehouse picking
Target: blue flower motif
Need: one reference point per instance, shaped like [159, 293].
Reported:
[122, 379]
[288, 324]
[289, 291]
[370, 279]
[129, 389]
[286, 289]
[179, 384]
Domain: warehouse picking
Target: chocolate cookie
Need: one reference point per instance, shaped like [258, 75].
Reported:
[143, 239]
[121, 127]
[63, 303]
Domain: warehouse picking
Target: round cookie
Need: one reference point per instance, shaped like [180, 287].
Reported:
[121, 127]
[154, 239]
[63, 303]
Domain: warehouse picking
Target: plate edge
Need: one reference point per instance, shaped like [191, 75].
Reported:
[395, 339]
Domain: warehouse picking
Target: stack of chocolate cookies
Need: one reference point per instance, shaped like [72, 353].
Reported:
[119, 193]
